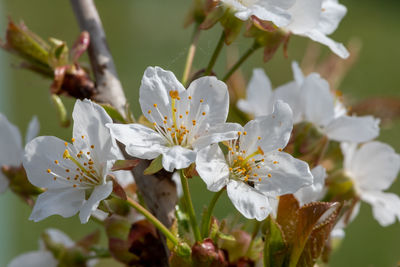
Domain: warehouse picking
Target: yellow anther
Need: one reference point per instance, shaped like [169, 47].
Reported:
[174, 94]
[84, 164]
[255, 174]
[259, 179]
[72, 140]
[239, 133]
[260, 150]
[74, 185]
[275, 162]
[194, 122]
[165, 122]
[149, 111]
[269, 175]
[280, 149]
[48, 171]
[88, 153]
[168, 129]
[165, 117]
[244, 133]
[190, 97]
[56, 161]
[68, 178]
[155, 105]
[203, 113]
[187, 112]
[180, 116]
[55, 178]
[154, 124]
[259, 138]
[67, 170]
[66, 144]
[83, 137]
[230, 169]
[174, 110]
[92, 146]
[66, 154]
[201, 100]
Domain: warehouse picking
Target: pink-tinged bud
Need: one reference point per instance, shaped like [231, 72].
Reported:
[207, 254]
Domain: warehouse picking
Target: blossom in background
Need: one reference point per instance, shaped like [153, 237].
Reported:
[311, 101]
[255, 169]
[183, 120]
[316, 19]
[45, 257]
[315, 191]
[373, 167]
[11, 150]
[270, 10]
[71, 171]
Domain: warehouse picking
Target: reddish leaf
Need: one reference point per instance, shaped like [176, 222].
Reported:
[126, 165]
[287, 216]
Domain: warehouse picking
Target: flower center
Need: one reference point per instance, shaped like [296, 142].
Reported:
[246, 166]
[181, 125]
[83, 174]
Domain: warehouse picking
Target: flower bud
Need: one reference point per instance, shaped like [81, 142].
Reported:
[207, 254]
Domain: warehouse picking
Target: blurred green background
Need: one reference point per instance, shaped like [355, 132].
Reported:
[148, 33]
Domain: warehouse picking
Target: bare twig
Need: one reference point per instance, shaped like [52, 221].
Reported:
[108, 84]
[158, 191]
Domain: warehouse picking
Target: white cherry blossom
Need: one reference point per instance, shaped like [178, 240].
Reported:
[270, 10]
[255, 170]
[373, 167]
[312, 101]
[184, 121]
[74, 174]
[11, 150]
[316, 19]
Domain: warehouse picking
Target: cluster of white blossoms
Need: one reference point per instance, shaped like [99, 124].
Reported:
[313, 19]
[372, 166]
[189, 124]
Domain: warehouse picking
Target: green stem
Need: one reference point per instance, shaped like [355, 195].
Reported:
[215, 55]
[205, 222]
[190, 55]
[246, 55]
[189, 207]
[256, 228]
[174, 240]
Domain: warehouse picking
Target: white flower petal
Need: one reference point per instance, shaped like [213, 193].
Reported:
[212, 167]
[177, 157]
[140, 141]
[288, 174]
[273, 129]
[385, 206]
[290, 94]
[212, 92]
[59, 237]
[251, 203]
[218, 133]
[10, 143]
[99, 193]
[154, 89]
[34, 259]
[297, 73]
[89, 121]
[315, 191]
[353, 129]
[336, 47]
[40, 156]
[374, 166]
[305, 15]
[259, 95]
[317, 100]
[33, 129]
[332, 14]
[64, 202]
[124, 178]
